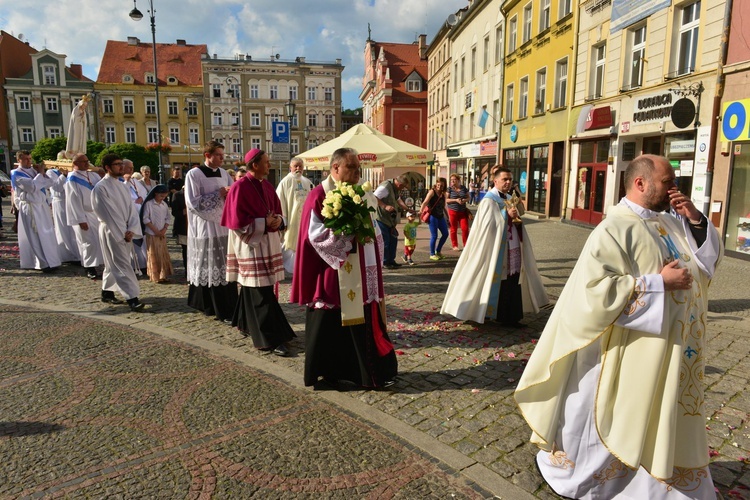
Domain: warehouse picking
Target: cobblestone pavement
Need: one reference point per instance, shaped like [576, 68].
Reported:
[453, 400]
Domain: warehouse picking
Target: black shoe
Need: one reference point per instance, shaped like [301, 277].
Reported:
[91, 273]
[135, 304]
[47, 270]
[282, 351]
[108, 297]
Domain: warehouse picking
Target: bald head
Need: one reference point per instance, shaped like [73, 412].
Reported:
[648, 180]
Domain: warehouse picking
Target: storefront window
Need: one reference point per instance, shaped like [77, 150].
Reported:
[515, 160]
[537, 198]
[592, 180]
[680, 150]
[738, 210]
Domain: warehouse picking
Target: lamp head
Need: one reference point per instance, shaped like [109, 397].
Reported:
[289, 108]
[135, 14]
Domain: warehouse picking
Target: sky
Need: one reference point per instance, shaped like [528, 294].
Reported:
[320, 30]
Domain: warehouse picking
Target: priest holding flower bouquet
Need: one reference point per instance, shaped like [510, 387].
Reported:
[338, 277]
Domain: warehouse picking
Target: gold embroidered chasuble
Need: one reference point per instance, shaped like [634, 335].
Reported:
[649, 400]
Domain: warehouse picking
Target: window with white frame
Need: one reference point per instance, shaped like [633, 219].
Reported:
[526, 24]
[414, 84]
[564, 8]
[544, 17]
[235, 118]
[523, 97]
[150, 78]
[509, 103]
[193, 135]
[49, 74]
[486, 53]
[512, 34]
[108, 106]
[328, 94]
[24, 103]
[152, 133]
[293, 92]
[274, 117]
[294, 120]
[311, 93]
[218, 118]
[498, 44]
[150, 107]
[473, 63]
[109, 134]
[236, 145]
[27, 134]
[541, 91]
[192, 107]
[233, 90]
[254, 91]
[312, 120]
[255, 119]
[294, 145]
[54, 132]
[216, 89]
[561, 83]
[463, 71]
[255, 142]
[50, 104]
[172, 107]
[689, 30]
[455, 77]
[273, 92]
[329, 120]
[599, 54]
[637, 55]
[130, 134]
[174, 135]
[127, 106]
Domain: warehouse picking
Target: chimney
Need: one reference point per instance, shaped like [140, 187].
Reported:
[182, 42]
[423, 46]
[132, 40]
[77, 70]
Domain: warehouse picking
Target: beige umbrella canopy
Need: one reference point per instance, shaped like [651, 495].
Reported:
[375, 150]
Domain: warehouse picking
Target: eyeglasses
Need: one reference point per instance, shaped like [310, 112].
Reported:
[117, 163]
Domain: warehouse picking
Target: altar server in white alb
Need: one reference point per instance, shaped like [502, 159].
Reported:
[206, 188]
[613, 391]
[138, 193]
[292, 192]
[119, 225]
[80, 213]
[37, 243]
[66, 237]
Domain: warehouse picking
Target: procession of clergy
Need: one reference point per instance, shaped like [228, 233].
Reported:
[613, 390]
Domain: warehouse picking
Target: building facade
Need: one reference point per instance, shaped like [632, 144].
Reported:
[540, 36]
[243, 98]
[730, 196]
[126, 100]
[474, 90]
[40, 102]
[394, 94]
[645, 78]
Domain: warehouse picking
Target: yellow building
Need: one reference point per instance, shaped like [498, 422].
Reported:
[537, 90]
[126, 100]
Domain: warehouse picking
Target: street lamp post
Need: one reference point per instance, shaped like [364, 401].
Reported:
[232, 81]
[136, 15]
[289, 110]
[307, 138]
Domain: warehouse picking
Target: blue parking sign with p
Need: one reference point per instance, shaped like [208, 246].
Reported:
[280, 132]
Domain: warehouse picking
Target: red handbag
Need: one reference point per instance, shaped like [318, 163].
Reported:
[424, 214]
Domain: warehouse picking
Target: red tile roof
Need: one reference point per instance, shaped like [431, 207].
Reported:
[180, 61]
[403, 59]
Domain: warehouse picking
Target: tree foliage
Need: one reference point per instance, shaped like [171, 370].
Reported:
[47, 149]
[94, 148]
[134, 152]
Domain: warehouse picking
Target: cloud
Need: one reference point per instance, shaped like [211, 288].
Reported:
[319, 31]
